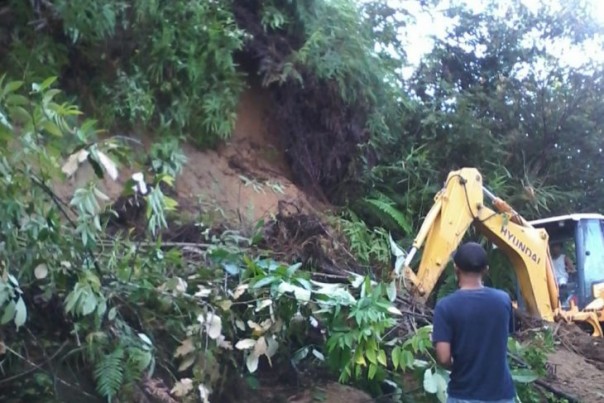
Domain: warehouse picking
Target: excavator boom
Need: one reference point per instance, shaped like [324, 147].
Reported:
[460, 205]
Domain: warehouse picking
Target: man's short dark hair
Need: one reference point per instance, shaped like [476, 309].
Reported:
[471, 257]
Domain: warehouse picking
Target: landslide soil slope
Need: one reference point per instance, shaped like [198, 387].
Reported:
[241, 181]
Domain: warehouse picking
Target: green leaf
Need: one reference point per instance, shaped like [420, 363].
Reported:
[391, 291]
[52, 128]
[109, 373]
[145, 339]
[101, 308]
[524, 375]
[301, 294]
[415, 343]
[9, 313]
[5, 294]
[395, 357]
[89, 304]
[231, 268]
[264, 282]
[6, 133]
[45, 84]
[11, 87]
[293, 268]
[304, 283]
[371, 355]
[72, 298]
[49, 95]
[372, 370]
[430, 385]
[388, 210]
[20, 313]
[167, 179]
[13, 280]
[442, 380]
[16, 100]
[407, 360]
[300, 354]
[381, 357]
[318, 355]
[20, 115]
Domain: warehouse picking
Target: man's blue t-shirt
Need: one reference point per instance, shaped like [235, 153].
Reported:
[477, 323]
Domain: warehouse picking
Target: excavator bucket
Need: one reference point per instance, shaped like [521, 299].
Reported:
[582, 317]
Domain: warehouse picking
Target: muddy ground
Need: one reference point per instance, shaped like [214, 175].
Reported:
[574, 375]
[328, 392]
[577, 365]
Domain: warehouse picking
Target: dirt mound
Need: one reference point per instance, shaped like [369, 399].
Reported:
[575, 339]
[571, 336]
[331, 392]
[574, 375]
[577, 364]
[296, 236]
[246, 178]
[284, 383]
[240, 182]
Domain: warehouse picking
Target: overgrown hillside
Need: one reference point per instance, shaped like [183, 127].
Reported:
[280, 144]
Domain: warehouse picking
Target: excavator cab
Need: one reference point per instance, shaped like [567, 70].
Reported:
[583, 233]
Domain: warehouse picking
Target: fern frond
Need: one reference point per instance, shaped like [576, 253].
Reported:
[387, 209]
[109, 373]
[138, 361]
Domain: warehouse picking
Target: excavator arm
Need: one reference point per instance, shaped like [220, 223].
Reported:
[459, 205]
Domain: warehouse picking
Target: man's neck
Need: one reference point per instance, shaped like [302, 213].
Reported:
[470, 283]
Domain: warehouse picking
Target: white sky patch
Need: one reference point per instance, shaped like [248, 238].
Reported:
[418, 40]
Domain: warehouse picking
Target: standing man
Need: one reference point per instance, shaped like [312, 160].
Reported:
[562, 267]
[471, 329]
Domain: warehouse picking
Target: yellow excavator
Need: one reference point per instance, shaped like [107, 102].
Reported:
[460, 205]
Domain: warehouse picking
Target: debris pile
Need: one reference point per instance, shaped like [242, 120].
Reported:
[297, 236]
[574, 339]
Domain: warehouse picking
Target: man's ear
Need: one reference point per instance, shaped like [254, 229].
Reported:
[486, 270]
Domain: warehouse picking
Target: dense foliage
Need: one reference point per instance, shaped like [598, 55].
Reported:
[130, 316]
[126, 314]
[345, 113]
[181, 66]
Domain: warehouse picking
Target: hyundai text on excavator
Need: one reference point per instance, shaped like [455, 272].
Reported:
[460, 205]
